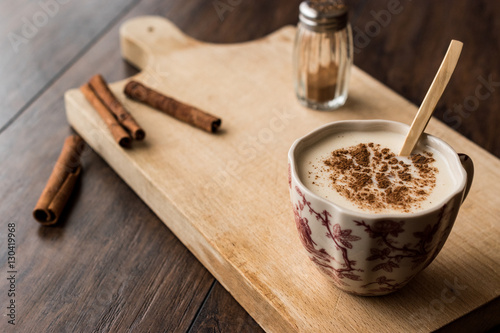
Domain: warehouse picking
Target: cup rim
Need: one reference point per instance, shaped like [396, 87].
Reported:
[363, 124]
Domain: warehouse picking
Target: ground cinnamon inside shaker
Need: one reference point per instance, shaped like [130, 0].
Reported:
[373, 178]
[321, 85]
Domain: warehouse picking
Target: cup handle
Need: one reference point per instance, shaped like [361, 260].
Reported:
[469, 169]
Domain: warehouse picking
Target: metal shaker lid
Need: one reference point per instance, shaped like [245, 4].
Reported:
[323, 15]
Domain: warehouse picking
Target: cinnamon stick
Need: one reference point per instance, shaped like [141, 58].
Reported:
[61, 182]
[184, 112]
[120, 135]
[100, 87]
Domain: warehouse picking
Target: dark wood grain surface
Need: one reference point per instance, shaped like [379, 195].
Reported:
[111, 265]
[406, 53]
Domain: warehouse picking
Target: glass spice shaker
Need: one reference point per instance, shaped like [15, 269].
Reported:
[322, 55]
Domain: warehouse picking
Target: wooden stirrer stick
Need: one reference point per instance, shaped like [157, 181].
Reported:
[432, 97]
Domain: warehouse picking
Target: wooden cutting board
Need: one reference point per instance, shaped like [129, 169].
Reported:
[226, 195]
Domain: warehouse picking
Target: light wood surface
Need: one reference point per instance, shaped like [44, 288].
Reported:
[433, 95]
[226, 196]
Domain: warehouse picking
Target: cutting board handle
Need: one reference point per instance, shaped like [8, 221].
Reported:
[143, 37]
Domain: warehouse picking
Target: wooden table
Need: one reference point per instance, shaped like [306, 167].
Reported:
[111, 265]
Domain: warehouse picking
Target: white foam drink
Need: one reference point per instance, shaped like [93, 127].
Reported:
[365, 174]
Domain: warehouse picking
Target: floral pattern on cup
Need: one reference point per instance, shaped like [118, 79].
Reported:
[343, 239]
[386, 255]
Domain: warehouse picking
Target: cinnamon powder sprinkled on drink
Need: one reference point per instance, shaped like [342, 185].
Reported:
[373, 178]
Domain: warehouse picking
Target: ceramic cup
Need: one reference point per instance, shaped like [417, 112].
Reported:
[373, 254]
